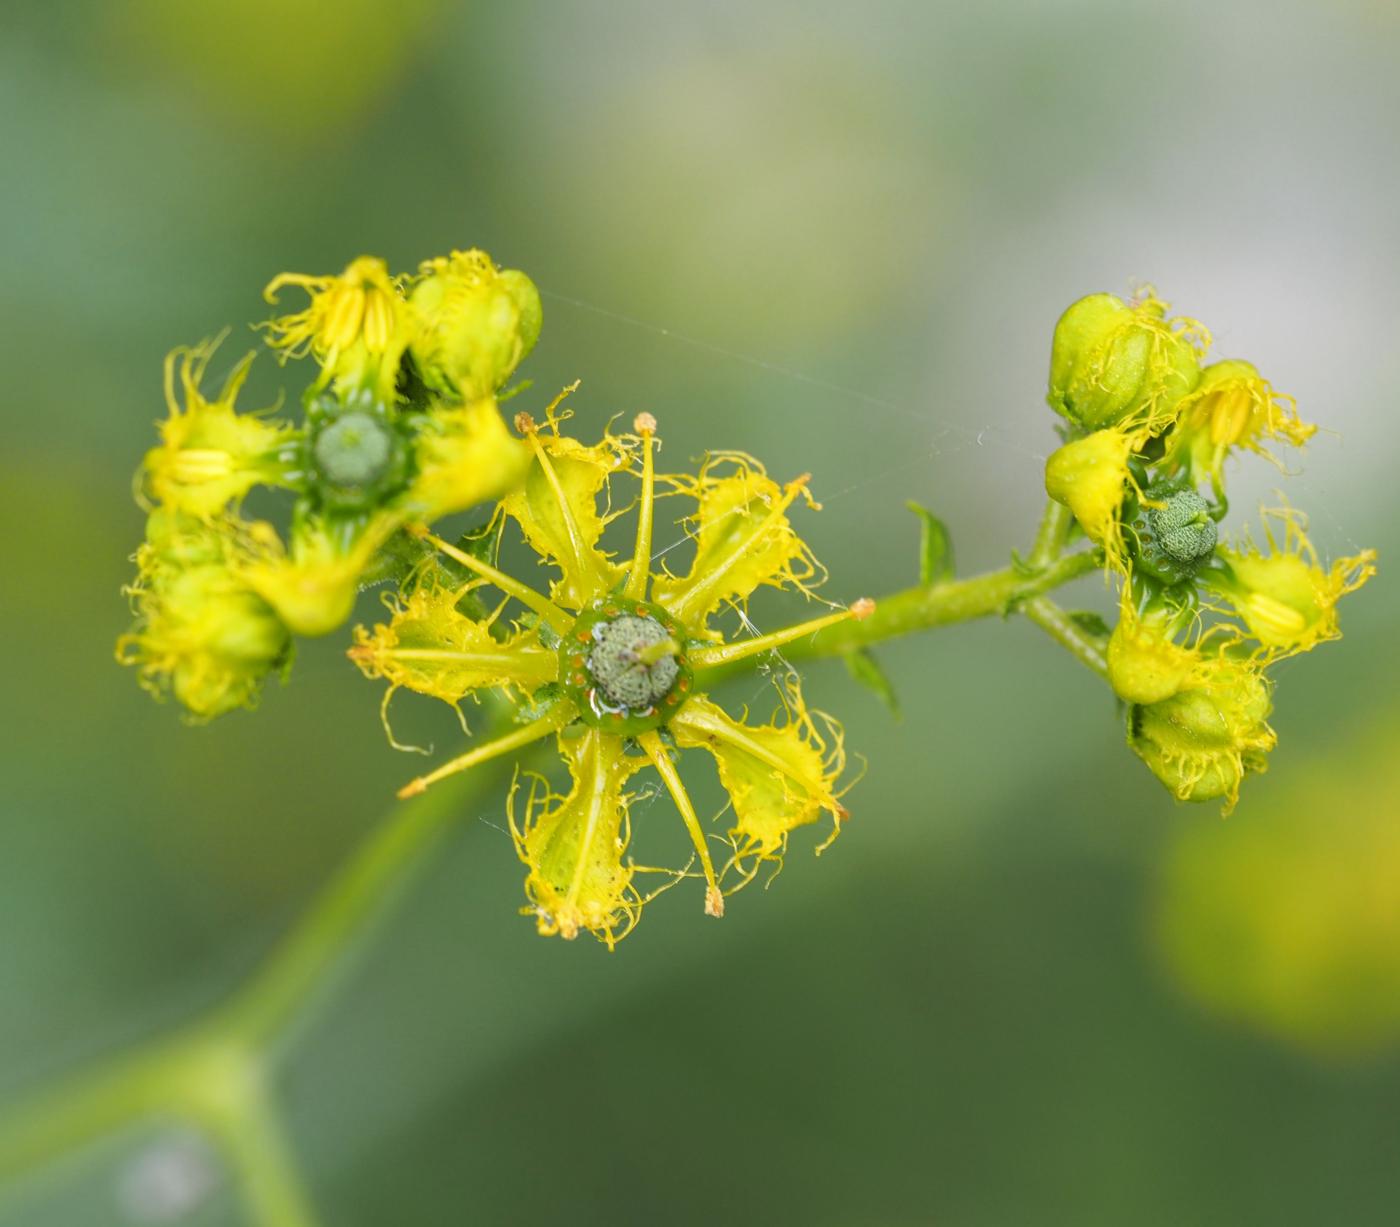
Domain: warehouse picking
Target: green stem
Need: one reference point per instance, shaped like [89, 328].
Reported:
[359, 893]
[1055, 524]
[926, 606]
[256, 1145]
[1086, 648]
[214, 1070]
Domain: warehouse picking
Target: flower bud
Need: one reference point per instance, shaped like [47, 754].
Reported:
[475, 323]
[1113, 362]
[204, 636]
[1145, 663]
[1090, 476]
[1203, 740]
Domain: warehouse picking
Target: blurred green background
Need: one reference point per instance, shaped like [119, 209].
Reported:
[1024, 987]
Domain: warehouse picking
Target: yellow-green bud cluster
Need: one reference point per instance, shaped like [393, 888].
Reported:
[1147, 427]
[401, 426]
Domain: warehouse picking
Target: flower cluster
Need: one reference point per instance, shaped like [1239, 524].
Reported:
[614, 663]
[1142, 468]
[399, 426]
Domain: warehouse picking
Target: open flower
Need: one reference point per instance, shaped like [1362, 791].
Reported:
[613, 664]
[1284, 596]
[356, 325]
[210, 455]
[1233, 406]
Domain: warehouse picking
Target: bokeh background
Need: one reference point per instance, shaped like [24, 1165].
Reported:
[1025, 986]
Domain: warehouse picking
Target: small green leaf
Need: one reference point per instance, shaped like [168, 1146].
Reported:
[866, 670]
[1090, 623]
[935, 547]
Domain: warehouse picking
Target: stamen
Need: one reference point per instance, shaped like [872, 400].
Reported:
[531, 732]
[636, 588]
[524, 663]
[666, 769]
[724, 654]
[532, 600]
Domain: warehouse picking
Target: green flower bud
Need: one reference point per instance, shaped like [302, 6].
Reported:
[476, 323]
[1114, 362]
[1204, 740]
[1173, 534]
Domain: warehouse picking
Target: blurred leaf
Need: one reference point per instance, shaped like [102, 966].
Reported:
[935, 547]
[1090, 623]
[867, 671]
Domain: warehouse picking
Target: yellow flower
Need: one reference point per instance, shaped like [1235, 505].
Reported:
[1113, 362]
[1284, 596]
[1232, 406]
[613, 664]
[1203, 740]
[201, 633]
[209, 454]
[475, 323]
[356, 325]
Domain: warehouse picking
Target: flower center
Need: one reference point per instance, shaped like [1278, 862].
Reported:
[624, 665]
[1175, 539]
[358, 458]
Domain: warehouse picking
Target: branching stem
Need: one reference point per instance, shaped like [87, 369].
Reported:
[214, 1072]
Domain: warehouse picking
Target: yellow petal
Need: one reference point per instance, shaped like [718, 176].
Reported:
[430, 647]
[778, 776]
[312, 583]
[465, 456]
[558, 510]
[574, 845]
[743, 539]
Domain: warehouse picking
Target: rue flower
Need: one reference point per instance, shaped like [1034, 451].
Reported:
[613, 664]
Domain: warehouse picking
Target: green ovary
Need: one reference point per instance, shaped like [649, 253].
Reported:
[617, 665]
[354, 451]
